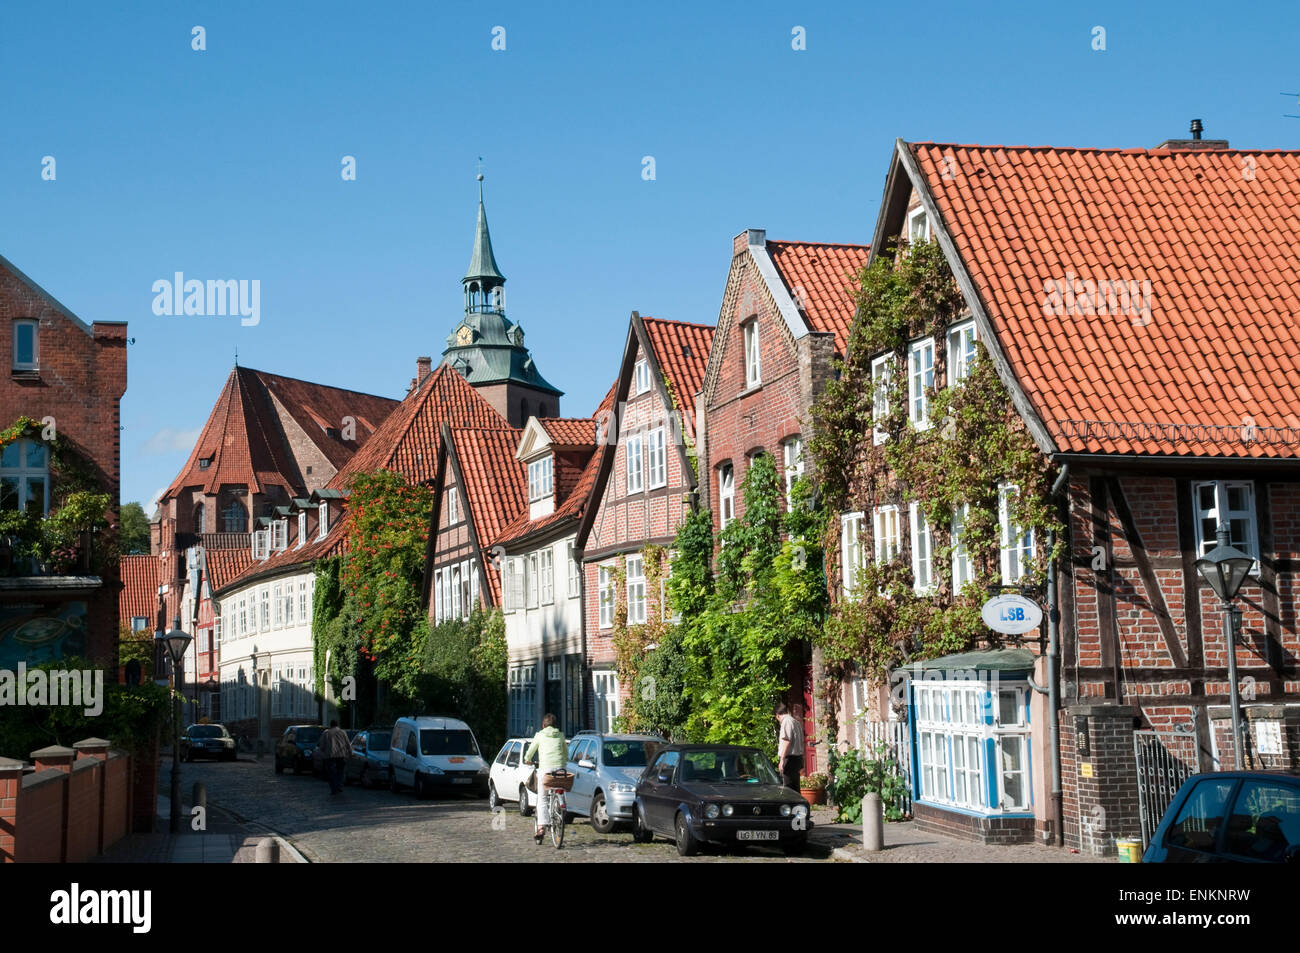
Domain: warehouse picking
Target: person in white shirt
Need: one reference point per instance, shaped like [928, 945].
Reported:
[789, 751]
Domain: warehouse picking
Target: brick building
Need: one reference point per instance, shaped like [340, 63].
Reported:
[645, 483]
[785, 315]
[69, 376]
[1143, 328]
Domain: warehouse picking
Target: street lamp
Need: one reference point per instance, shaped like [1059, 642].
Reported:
[1225, 567]
[175, 642]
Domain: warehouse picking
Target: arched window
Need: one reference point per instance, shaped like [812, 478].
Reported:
[199, 518]
[234, 518]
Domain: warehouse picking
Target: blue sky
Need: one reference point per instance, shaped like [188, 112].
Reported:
[225, 163]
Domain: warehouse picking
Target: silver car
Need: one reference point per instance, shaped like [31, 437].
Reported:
[367, 762]
[606, 769]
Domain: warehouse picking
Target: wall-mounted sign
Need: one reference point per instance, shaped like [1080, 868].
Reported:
[1011, 614]
[1085, 769]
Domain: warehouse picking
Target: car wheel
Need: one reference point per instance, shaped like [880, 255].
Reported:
[494, 802]
[524, 809]
[601, 822]
[796, 848]
[640, 833]
[687, 845]
[392, 781]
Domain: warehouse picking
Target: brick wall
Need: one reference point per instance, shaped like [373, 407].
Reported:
[1099, 782]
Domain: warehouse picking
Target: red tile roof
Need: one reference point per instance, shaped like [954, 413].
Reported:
[495, 485]
[682, 351]
[139, 588]
[820, 279]
[224, 565]
[243, 437]
[569, 431]
[1207, 238]
[573, 505]
[334, 543]
[408, 440]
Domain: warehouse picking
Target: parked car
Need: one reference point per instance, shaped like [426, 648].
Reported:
[1242, 816]
[508, 778]
[296, 747]
[207, 741]
[606, 769]
[367, 762]
[436, 753]
[720, 794]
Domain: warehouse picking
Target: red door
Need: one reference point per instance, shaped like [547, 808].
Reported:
[809, 723]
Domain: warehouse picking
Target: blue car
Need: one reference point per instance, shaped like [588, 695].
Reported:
[1230, 816]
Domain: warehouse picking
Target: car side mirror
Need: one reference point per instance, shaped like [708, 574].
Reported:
[586, 763]
[665, 777]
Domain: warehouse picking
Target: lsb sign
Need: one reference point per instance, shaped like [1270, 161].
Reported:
[1011, 614]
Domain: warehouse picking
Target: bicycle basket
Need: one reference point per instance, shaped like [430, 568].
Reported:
[563, 782]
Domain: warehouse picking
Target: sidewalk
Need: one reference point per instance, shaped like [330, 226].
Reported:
[225, 841]
[904, 844]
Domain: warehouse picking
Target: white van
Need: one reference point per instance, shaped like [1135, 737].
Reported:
[436, 753]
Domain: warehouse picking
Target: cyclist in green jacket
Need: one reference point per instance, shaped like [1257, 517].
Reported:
[551, 754]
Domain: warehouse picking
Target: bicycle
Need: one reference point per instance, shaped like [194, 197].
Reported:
[556, 806]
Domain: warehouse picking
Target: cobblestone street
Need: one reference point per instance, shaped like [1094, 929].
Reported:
[367, 826]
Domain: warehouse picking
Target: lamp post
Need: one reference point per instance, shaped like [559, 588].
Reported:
[1224, 567]
[175, 642]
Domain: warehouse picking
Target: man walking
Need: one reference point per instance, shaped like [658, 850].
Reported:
[789, 751]
[334, 750]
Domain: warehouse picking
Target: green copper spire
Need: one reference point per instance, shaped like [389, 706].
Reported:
[483, 264]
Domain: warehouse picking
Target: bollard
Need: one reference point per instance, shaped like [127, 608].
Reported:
[200, 796]
[268, 851]
[873, 822]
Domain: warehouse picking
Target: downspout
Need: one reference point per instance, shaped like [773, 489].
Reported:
[1053, 683]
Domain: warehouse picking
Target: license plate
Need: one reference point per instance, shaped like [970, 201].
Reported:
[758, 835]
[461, 780]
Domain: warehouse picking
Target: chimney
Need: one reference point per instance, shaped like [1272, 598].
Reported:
[1196, 143]
[423, 368]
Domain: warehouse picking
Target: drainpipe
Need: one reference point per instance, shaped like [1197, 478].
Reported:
[1053, 682]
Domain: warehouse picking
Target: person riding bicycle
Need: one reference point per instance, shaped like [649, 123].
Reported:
[551, 754]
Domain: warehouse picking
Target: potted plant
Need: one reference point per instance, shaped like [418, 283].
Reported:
[813, 788]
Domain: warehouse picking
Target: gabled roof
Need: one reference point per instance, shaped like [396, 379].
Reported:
[408, 440]
[1208, 351]
[243, 440]
[139, 588]
[493, 484]
[569, 431]
[819, 278]
[573, 506]
[682, 352]
[334, 543]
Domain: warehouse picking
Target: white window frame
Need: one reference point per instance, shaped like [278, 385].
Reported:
[304, 607]
[882, 376]
[575, 573]
[922, 551]
[918, 221]
[657, 458]
[605, 586]
[35, 363]
[264, 612]
[636, 604]
[24, 474]
[323, 512]
[641, 378]
[961, 350]
[541, 483]
[920, 379]
[792, 449]
[530, 580]
[453, 506]
[279, 535]
[1015, 558]
[726, 494]
[604, 685]
[287, 597]
[546, 565]
[635, 464]
[851, 553]
[1250, 544]
[277, 607]
[454, 580]
[887, 532]
[302, 528]
[753, 354]
[961, 566]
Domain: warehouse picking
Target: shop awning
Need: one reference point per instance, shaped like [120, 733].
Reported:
[987, 660]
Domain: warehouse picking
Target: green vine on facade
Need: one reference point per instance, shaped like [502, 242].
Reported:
[975, 444]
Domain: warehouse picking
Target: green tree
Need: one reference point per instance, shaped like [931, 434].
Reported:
[134, 534]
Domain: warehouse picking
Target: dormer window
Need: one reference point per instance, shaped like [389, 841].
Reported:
[302, 527]
[26, 353]
[324, 511]
[205, 462]
[332, 433]
[540, 484]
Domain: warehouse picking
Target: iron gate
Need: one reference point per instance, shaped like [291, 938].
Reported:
[1164, 762]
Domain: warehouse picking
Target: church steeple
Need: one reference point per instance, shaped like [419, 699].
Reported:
[483, 281]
